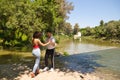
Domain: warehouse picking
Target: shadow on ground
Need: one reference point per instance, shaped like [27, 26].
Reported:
[13, 65]
[81, 62]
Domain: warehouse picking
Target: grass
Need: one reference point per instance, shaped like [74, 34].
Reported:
[62, 38]
[10, 58]
[16, 56]
[66, 54]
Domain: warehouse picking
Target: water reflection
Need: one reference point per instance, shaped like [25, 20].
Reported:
[10, 58]
[79, 51]
[84, 62]
[76, 46]
[85, 54]
[106, 62]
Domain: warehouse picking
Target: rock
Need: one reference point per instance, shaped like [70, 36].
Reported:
[57, 54]
[81, 76]
[26, 72]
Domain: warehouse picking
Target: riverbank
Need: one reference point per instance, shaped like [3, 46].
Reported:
[89, 58]
[101, 63]
[112, 42]
[21, 72]
[81, 66]
[60, 75]
[20, 69]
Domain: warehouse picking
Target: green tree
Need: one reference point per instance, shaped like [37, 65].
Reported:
[76, 28]
[20, 18]
[101, 23]
[110, 30]
[64, 8]
[68, 29]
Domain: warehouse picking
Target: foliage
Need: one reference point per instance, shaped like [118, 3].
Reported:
[110, 30]
[65, 54]
[20, 18]
[76, 28]
[68, 29]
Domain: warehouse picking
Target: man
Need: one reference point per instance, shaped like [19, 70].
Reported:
[50, 52]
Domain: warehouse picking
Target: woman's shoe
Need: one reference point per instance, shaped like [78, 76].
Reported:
[37, 71]
[32, 75]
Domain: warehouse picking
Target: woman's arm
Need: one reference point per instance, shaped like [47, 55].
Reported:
[40, 43]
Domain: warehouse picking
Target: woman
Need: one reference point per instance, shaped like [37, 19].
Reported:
[36, 52]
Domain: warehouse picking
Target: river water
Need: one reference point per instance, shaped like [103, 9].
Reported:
[100, 57]
[87, 56]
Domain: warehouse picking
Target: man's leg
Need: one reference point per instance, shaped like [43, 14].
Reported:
[46, 60]
[52, 59]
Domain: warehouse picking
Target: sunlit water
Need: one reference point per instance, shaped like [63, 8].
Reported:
[86, 55]
[104, 56]
[83, 45]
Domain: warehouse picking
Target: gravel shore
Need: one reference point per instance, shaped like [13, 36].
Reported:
[77, 67]
[20, 71]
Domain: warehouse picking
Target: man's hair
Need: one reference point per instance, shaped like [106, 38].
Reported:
[49, 31]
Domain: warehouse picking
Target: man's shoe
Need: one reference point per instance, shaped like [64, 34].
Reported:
[45, 69]
[51, 70]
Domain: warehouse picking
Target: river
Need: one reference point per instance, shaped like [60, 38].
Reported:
[101, 58]
[87, 56]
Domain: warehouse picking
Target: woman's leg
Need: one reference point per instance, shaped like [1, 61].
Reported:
[36, 65]
[36, 53]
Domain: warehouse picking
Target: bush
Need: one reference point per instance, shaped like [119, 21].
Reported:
[66, 54]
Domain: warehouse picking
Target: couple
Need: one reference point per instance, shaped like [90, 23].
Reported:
[50, 43]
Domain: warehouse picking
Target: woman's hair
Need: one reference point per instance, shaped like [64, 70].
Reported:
[37, 34]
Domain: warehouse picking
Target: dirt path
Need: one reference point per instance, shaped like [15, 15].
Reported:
[58, 75]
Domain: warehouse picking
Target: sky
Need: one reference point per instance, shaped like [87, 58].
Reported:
[91, 12]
